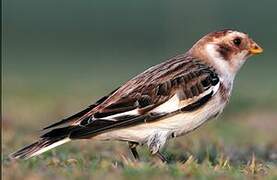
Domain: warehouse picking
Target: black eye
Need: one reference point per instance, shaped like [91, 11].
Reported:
[237, 41]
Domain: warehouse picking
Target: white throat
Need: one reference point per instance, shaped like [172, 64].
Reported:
[226, 71]
[221, 65]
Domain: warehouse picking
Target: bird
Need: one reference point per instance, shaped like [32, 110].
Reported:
[165, 101]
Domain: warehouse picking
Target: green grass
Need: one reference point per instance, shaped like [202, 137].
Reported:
[226, 148]
[69, 165]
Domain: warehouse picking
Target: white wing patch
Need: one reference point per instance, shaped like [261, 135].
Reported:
[176, 101]
[169, 106]
[127, 113]
[215, 88]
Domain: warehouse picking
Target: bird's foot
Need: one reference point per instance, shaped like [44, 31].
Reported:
[133, 148]
[162, 157]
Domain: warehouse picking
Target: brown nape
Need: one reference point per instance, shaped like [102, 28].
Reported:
[198, 50]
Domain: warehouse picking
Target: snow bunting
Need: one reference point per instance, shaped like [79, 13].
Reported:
[165, 101]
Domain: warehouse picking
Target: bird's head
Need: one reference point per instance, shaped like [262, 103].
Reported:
[227, 50]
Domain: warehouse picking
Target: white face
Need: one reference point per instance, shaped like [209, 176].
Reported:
[228, 53]
[239, 56]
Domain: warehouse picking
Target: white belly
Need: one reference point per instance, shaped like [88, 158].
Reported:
[178, 124]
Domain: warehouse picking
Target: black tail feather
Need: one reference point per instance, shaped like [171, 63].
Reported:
[30, 150]
[44, 143]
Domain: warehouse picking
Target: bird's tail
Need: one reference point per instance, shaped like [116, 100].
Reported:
[47, 141]
[38, 148]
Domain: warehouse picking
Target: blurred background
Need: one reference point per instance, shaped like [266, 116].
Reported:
[60, 56]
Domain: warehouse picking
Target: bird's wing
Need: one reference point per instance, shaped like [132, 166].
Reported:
[149, 97]
[184, 76]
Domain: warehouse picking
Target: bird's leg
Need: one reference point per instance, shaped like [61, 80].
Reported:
[133, 148]
[161, 157]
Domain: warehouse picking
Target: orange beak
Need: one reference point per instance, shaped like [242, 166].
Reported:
[255, 48]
